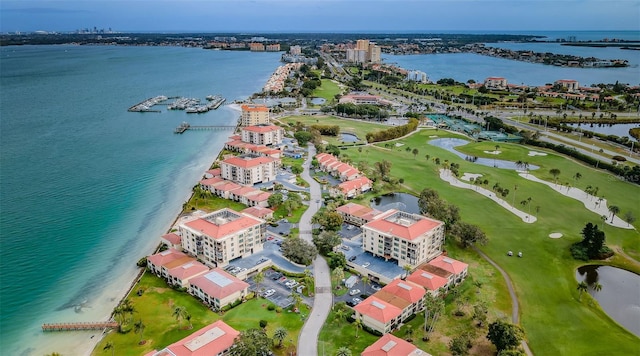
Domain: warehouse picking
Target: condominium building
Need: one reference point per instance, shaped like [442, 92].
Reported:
[410, 239]
[495, 83]
[357, 214]
[362, 44]
[254, 114]
[295, 50]
[218, 288]
[222, 236]
[569, 84]
[417, 76]
[249, 169]
[374, 54]
[215, 339]
[390, 345]
[267, 135]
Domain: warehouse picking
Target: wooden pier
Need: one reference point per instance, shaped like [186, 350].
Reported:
[185, 126]
[101, 325]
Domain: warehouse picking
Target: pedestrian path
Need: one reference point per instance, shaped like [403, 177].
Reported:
[308, 340]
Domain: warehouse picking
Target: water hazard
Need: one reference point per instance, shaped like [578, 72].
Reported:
[619, 296]
[449, 144]
[401, 201]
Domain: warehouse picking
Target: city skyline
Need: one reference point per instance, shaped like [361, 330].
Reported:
[320, 15]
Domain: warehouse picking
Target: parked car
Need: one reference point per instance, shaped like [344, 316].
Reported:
[366, 264]
[356, 301]
[345, 247]
[375, 287]
[354, 292]
[352, 258]
[276, 276]
[269, 293]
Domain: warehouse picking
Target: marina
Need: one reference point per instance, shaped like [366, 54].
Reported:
[147, 105]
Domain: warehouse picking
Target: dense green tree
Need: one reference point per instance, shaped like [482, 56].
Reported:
[504, 335]
[279, 335]
[329, 220]
[275, 199]
[303, 137]
[326, 241]
[252, 342]
[468, 234]
[431, 204]
[555, 172]
[298, 250]
[382, 168]
[460, 344]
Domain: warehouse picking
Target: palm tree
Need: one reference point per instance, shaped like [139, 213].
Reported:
[613, 209]
[338, 275]
[139, 329]
[577, 176]
[279, 335]
[596, 287]
[365, 282]
[109, 346]
[407, 269]
[297, 299]
[415, 153]
[358, 325]
[188, 317]
[258, 279]
[582, 287]
[178, 313]
[343, 351]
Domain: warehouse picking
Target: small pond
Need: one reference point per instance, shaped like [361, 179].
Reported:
[347, 137]
[318, 101]
[401, 201]
[619, 296]
[449, 144]
[619, 130]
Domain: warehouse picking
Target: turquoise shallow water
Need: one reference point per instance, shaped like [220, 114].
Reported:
[86, 188]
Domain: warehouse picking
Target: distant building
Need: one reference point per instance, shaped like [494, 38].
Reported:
[495, 83]
[356, 55]
[250, 169]
[215, 339]
[254, 114]
[362, 45]
[390, 345]
[273, 47]
[374, 54]
[569, 84]
[295, 50]
[256, 47]
[223, 235]
[417, 76]
[218, 288]
[410, 239]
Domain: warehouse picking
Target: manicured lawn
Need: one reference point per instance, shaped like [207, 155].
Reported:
[155, 308]
[209, 203]
[339, 333]
[357, 127]
[544, 277]
[328, 90]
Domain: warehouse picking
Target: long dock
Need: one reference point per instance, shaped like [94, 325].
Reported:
[100, 325]
[186, 126]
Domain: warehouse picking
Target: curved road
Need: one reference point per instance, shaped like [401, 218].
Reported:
[308, 340]
[515, 306]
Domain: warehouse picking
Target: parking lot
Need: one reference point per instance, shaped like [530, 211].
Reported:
[377, 265]
[281, 286]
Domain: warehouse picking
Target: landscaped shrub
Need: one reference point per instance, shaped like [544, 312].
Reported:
[409, 318]
[142, 262]
[263, 323]
[371, 331]
[278, 310]
[271, 307]
[619, 158]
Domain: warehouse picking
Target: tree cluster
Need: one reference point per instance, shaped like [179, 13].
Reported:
[362, 110]
[592, 245]
[393, 132]
[252, 342]
[326, 241]
[327, 130]
[330, 220]
[298, 250]
[505, 336]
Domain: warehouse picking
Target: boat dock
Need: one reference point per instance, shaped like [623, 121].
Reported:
[100, 325]
[186, 126]
[147, 105]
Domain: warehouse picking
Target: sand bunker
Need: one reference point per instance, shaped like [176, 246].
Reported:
[555, 235]
[468, 176]
[399, 144]
[493, 152]
[433, 136]
[534, 153]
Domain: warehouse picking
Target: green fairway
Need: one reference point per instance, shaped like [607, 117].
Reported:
[357, 127]
[544, 278]
[328, 90]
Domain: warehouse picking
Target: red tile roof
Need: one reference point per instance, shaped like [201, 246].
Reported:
[351, 208]
[389, 345]
[210, 340]
[211, 181]
[248, 162]
[172, 238]
[254, 107]
[428, 280]
[435, 270]
[164, 257]
[378, 309]
[449, 264]
[258, 211]
[396, 228]
[225, 227]
[188, 270]
[406, 290]
[218, 283]
[357, 183]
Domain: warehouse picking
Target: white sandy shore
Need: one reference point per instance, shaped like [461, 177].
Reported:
[235, 107]
[592, 203]
[448, 177]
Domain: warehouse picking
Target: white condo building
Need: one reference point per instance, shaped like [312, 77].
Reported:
[249, 169]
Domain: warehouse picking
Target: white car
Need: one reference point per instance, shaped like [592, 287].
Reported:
[366, 264]
[269, 293]
[354, 292]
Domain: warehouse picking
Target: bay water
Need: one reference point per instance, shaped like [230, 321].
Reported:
[87, 188]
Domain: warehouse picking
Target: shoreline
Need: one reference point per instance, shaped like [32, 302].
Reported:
[94, 341]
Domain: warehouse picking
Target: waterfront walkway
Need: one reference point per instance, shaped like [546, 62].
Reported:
[79, 326]
[308, 340]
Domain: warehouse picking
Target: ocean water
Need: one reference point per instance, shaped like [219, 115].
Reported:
[87, 188]
[465, 66]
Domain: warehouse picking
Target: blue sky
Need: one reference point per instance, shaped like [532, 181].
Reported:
[320, 15]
